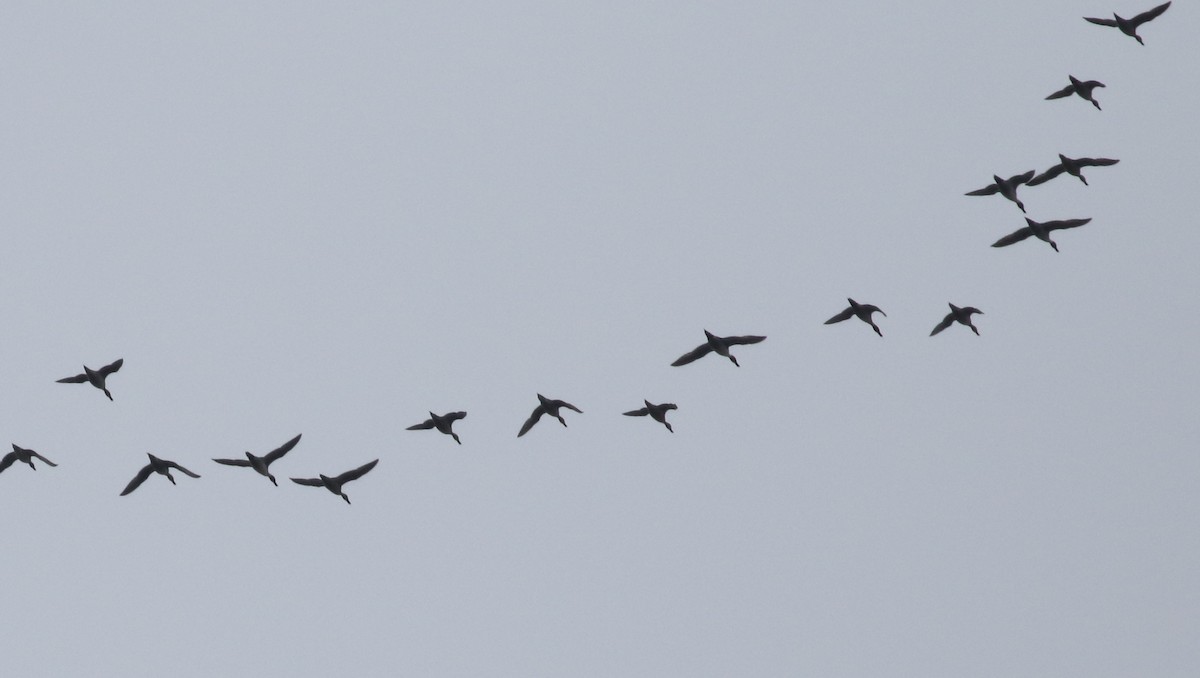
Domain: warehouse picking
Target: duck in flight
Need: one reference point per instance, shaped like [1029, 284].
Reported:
[262, 464]
[156, 465]
[1129, 26]
[95, 377]
[547, 406]
[657, 412]
[440, 422]
[335, 483]
[1040, 230]
[1081, 87]
[23, 455]
[1006, 187]
[718, 345]
[863, 311]
[962, 315]
[1072, 166]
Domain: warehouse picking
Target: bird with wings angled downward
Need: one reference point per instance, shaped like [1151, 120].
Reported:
[22, 455]
[1072, 166]
[961, 315]
[1129, 26]
[262, 464]
[861, 311]
[718, 345]
[1040, 230]
[1005, 187]
[1083, 88]
[95, 377]
[442, 422]
[547, 406]
[156, 465]
[335, 483]
[656, 412]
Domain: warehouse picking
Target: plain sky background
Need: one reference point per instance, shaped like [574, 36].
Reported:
[331, 218]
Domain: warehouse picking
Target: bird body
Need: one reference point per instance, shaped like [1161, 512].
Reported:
[1083, 88]
[1006, 187]
[961, 315]
[546, 406]
[862, 311]
[23, 455]
[718, 345]
[335, 483]
[262, 464]
[1040, 230]
[442, 423]
[1129, 26]
[95, 377]
[1072, 166]
[156, 465]
[657, 412]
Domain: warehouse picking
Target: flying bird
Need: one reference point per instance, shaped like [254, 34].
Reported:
[95, 377]
[1041, 230]
[156, 465]
[546, 406]
[440, 422]
[23, 455]
[1129, 26]
[718, 345]
[262, 464]
[1081, 87]
[1072, 166]
[1006, 187]
[962, 315]
[334, 484]
[863, 311]
[657, 412]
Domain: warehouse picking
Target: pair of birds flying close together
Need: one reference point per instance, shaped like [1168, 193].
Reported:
[1008, 187]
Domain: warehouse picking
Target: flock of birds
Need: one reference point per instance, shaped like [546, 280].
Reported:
[444, 423]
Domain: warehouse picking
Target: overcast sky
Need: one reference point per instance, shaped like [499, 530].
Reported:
[333, 218]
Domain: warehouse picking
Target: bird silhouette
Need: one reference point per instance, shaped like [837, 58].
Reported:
[718, 345]
[1129, 26]
[1072, 166]
[1006, 187]
[1040, 230]
[546, 406]
[1081, 87]
[23, 455]
[962, 315]
[335, 483]
[95, 377]
[440, 422]
[863, 311]
[156, 465]
[657, 412]
[262, 464]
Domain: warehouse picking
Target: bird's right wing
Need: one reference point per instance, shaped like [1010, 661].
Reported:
[637, 413]
[986, 190]
[1047, 175]
[7, 461]
[1065, 223]
[282, 449]
[1149, 14]
[77, 379]
[1064, 92]
[428, 423]
[233, 462]
[1102, 22]
[111, 367]
[311, 482]
[748, 339]
[1021, 178]
[47, 461]
[357, 473]
[533, 419]
[692, 355]
[844, 315]
[946, 322]
[138, 479]
[455, 416]
[1014, 237]
[180, 468]
[1096, 162]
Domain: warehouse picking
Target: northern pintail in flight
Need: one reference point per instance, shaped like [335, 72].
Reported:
[335, 483]
[442, 422]
[23, 455]
[657, 412]
[863, 311]
[1006, 187]
[262, 464]
[1129, 26]
[1040, 230]
[718, 345]
[961, 315]
[156, 465]
[95, 377]
[1081, 87]
[546, 406]
[1072, 166]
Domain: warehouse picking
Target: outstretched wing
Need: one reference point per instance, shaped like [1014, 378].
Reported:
[428, 423]
[1102, 22]
[356, 473]
[569, 406]
[1096, 162]
[986, 190]
[312, 482]
[749, 339]
[233, 462]
[1149, 14]
[1019, 179]
[1064, 92]
[1065, 223]
[282, 449]
[692, 355]
[1047, 175]
[47, 461]
[77, 379]
[111, 367]
[637, 413]
[454, 416]
[1014, 237]
[844, 315]
[946, 322]
[7, 461]
[533, 419]
[185, 471]
[138, 479]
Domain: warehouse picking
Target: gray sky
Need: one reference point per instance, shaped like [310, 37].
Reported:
[331, 220]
